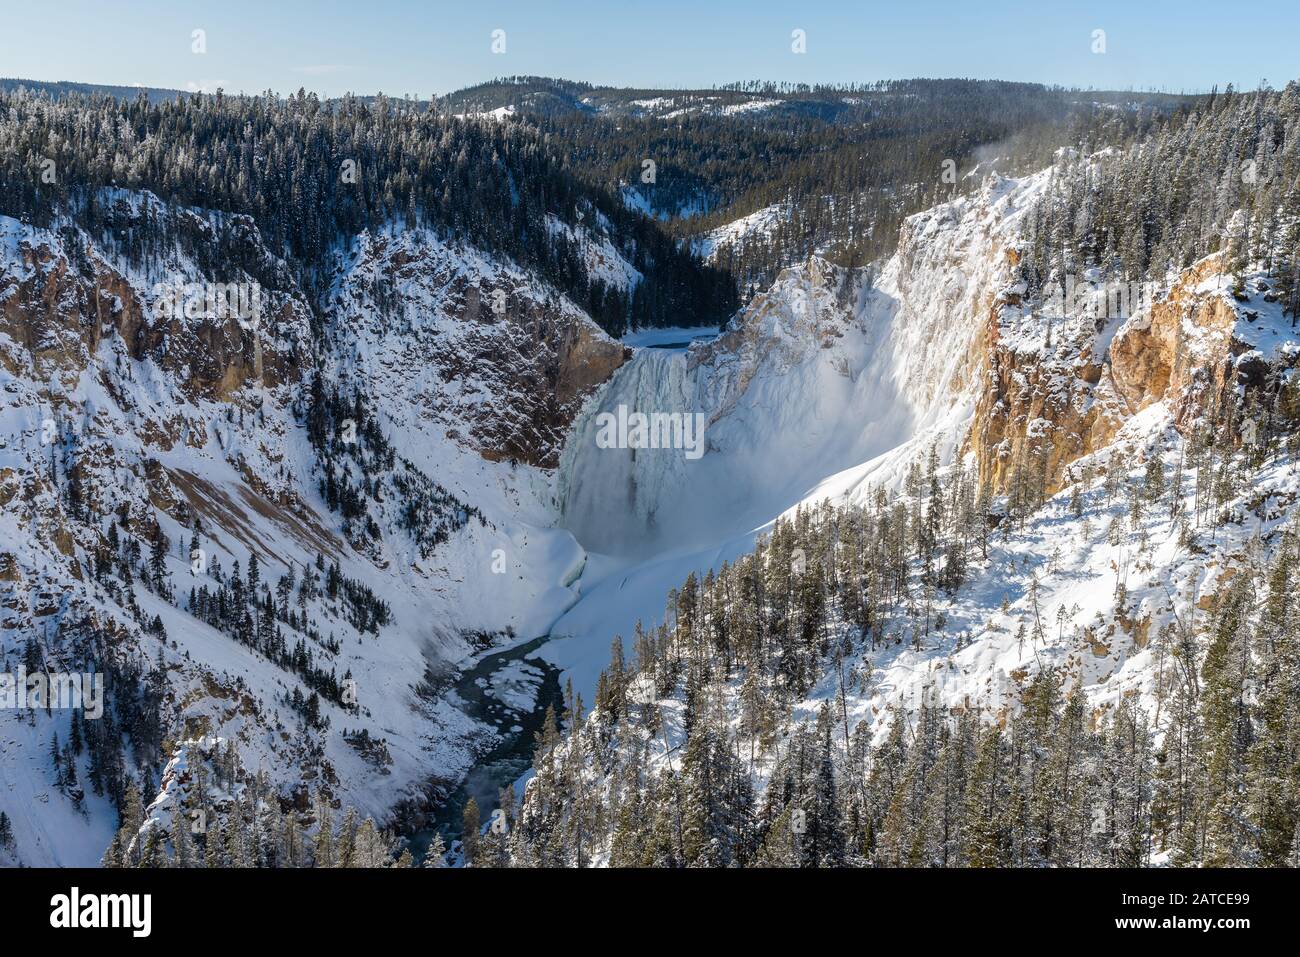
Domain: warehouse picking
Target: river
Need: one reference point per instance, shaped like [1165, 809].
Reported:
[514, 675]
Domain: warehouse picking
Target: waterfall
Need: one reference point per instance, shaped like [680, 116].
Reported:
[821, 388]
[619, 500]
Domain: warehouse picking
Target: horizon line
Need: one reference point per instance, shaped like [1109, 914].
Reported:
[800, 86]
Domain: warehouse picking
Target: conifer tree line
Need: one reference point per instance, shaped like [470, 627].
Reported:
[844, 165]
[313, 173]
[691, 755]
[847, 163]
[223, 815]
[1223, 176]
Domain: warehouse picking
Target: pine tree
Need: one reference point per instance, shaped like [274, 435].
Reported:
[1273, 760]
[370, 848]
[985, 837]
[114, 856]
[132, 816]
[1227, 728]
[469, 834]
[436, 854]
[324, 853]
[152, 855]
[215, 846]
[347, 850]
[182, 844]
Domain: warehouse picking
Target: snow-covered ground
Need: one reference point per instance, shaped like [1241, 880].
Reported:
[822, 388]
[499, 114]
[756, 225]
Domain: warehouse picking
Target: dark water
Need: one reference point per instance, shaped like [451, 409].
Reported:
[681, 345]
[513, 753]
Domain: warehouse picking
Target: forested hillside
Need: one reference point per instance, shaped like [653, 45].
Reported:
[744, 730]
[312, 174]
[1084, 652]
[844, 164]
[1224, 176]
[835, 169]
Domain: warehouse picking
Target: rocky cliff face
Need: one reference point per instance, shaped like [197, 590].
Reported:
[477, 349]
[63, 296]
[1061, 385]
[1200, 340]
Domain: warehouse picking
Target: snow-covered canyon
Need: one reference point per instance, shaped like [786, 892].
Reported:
[825, 387]
[491, 391]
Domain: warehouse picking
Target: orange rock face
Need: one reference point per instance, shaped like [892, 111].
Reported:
[1064, 390]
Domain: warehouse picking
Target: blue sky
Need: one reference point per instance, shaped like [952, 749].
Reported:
[402, 47]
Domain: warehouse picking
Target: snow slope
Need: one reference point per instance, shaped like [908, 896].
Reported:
[737, 232]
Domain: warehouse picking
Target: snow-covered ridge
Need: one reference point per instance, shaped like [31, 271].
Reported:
[757, 225]
[604, 263]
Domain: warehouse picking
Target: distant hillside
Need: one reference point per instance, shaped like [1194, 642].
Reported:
[845, 163]
[62, 87]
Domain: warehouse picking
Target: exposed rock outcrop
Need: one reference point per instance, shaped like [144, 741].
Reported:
[478, 348]
[1060, 386]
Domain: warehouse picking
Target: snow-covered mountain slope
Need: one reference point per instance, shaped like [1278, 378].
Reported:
[387, 484]
[1119, 589]
[739, 231]
[419, 464]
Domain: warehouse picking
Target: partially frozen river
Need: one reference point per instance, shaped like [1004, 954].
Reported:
[509, 691]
